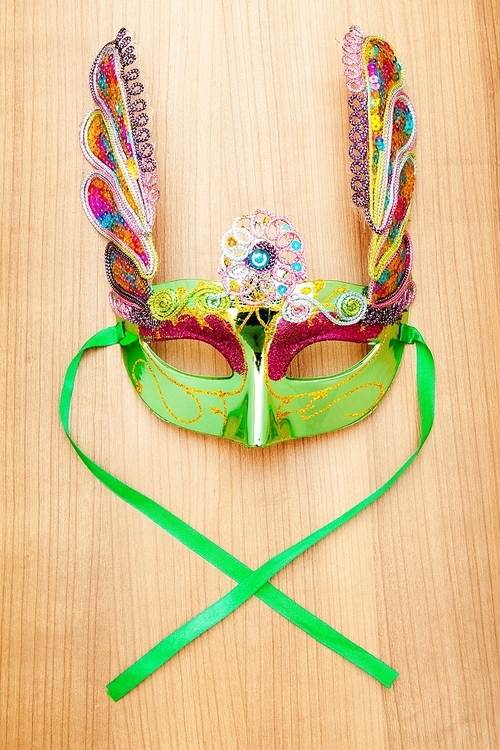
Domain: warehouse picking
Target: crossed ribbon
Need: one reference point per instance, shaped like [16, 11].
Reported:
[250, 582]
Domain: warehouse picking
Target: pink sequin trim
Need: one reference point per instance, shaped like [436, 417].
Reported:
[215, 332]
[291, 338]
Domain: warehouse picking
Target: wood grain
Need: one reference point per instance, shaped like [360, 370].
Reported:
[249, 110]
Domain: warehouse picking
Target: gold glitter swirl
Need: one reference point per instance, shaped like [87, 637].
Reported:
[163, 304]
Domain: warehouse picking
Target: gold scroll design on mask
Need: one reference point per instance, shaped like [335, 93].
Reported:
[190, 391]
[192, 302]
[322, 393]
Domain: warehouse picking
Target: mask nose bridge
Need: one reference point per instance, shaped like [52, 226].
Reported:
[260, 416]
[258, 411]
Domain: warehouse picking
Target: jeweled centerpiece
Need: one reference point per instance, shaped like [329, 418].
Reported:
[262, 259]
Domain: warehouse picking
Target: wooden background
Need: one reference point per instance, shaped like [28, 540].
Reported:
[249, 110]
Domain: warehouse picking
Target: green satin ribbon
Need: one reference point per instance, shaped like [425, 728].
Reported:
[250, 582]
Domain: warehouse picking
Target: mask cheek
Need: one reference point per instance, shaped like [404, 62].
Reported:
[213, 331]
[292, 338]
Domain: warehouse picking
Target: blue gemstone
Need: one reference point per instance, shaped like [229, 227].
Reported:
[297, 267]
[296, 245]
[259, 259]
[282, 289]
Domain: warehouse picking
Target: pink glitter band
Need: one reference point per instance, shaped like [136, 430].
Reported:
[291, 338]
[218, 333]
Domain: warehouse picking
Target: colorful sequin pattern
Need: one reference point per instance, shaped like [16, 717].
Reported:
[403, 128]
[384, 246]
[382, 124]
[262, 259]
[123, 277]
[120, 196]
[393, 280]
[262, 266]
[98, 138]
[383, 166]
[101, 203]
[108, 95]
[384, 76]
[117, 90]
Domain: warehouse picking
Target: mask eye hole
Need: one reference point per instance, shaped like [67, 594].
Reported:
[193, 357]
[324, 358]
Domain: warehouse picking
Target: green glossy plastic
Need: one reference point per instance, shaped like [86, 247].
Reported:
[252, 409]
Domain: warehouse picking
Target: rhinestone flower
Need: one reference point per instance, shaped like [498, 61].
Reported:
[262, 259]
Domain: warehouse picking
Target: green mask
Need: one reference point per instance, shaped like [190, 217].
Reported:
[263, 311]
[258, 404]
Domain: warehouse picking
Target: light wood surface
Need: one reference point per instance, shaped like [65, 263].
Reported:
[249, 110]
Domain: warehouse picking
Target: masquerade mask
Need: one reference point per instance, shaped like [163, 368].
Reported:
[261, 312]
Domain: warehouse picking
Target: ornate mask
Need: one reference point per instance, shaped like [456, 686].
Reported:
[259, 314]
[263, 310]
